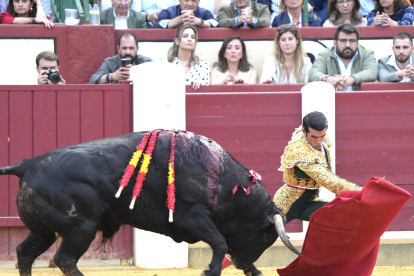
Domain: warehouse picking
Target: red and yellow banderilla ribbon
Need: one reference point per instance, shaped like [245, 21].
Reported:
[171, 180]
[144, 168]
[152, 137]
[132, 164]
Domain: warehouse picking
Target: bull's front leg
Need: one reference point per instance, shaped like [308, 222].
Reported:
[219, 250]
[200, 225]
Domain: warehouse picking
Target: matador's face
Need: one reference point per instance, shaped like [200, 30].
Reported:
[315, 137]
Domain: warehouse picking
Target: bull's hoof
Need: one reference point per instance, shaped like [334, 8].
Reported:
[52, 264]
[251, 274]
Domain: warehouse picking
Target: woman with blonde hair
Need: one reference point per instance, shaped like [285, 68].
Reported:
[289, 64]
[291, 12]
[232, 66]
[182, 53]
[344, 12]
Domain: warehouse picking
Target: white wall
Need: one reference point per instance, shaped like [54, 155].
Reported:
[20, 57]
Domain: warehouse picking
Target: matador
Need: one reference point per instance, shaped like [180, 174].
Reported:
[306, 166]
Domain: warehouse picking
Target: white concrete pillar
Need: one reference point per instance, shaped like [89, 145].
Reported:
[158, 102]
[320, 96]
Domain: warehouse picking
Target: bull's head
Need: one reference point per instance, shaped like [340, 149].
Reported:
[247, 250]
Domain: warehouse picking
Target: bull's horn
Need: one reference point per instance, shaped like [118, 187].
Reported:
[280, 229]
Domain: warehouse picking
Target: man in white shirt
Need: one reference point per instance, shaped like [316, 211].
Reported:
[398, 67]
[122, 17]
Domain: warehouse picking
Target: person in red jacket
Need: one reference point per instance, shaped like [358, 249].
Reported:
[25, 12]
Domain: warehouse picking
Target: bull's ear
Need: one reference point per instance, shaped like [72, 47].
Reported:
[266, 221]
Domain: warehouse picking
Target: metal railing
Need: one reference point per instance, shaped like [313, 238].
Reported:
[59, 6]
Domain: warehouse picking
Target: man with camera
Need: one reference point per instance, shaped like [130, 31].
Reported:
[47, 64]
[116, 68]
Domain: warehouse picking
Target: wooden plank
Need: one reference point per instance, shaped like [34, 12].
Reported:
[403, 221]
[21, 136]
[233, 128]
[409, 188]
[4, 236]
[375, 150]
[245, 104]
[113, 115]
[4, 153]
[391, 126]
[15, 237]
[68, 118]
[360, 172]
[92, 110]
[127, 108]
[375, 86]
[44, 121]
[10, 221]
[384, 102]
[224, 88]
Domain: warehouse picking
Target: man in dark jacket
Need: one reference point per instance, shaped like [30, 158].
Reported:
[188, 12]
[244, 13]
[112, 70]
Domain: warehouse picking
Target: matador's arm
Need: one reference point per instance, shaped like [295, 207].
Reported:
[325, 178]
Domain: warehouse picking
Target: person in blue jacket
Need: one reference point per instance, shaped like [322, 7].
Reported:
[292, 13]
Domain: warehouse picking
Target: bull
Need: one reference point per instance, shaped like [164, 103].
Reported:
[69, 192]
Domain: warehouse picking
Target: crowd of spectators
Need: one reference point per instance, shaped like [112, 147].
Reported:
[133, 14]
[344, 65]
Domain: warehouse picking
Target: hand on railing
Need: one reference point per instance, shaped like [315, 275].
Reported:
[45, 21]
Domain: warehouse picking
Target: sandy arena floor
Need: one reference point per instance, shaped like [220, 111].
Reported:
[133, 271]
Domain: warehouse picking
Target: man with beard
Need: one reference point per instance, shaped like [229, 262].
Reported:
[113, 69]
[346, 64]
[400, 65]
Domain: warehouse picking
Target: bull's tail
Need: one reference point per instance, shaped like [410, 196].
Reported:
[11, 170]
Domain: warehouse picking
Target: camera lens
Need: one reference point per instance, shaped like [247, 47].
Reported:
[54, 77]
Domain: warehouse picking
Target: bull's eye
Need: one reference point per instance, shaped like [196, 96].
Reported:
[265, 237]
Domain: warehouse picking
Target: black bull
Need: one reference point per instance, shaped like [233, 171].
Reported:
[70, 191]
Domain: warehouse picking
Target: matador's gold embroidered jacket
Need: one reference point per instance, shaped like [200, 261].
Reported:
[307, 168]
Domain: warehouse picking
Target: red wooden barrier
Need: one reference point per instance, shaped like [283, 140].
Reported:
[389, 86]
[374, 132]
[375, 136]
[37, 119]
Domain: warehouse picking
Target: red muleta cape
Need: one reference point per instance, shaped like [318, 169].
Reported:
[343, 236]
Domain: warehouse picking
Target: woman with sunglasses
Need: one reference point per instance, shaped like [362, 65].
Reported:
[25, 12]
[291, 12]
[390, 13]
[289, 64]
[344, 11]
[232, 66]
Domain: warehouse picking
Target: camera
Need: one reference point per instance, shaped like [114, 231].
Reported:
[125, 62]
[53, 76]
